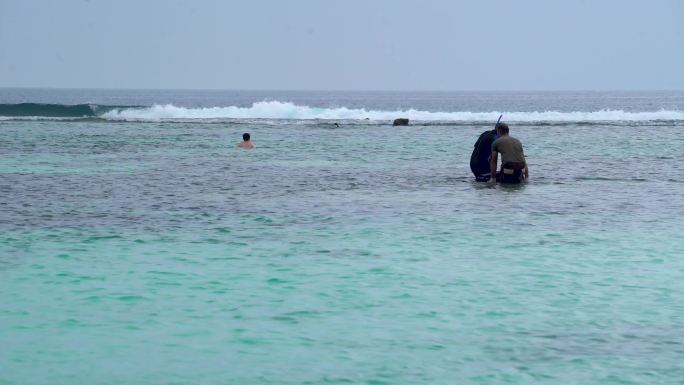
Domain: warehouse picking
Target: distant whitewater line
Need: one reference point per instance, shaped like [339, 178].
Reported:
[289, 111]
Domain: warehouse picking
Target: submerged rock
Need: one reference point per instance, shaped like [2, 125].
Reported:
[400, 122]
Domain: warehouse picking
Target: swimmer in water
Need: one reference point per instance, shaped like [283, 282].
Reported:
[246, 141]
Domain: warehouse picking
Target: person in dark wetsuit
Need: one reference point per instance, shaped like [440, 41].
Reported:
[513, 163]
[482, 151]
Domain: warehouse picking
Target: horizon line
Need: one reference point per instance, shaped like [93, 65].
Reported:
[338, 90]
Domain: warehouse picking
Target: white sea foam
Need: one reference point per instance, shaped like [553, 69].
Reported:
[287, 110]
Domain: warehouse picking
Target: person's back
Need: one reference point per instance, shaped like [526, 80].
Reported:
[246, 141]
[510, 148]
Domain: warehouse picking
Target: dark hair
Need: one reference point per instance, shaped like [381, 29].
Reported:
[503, 127]
[245, 136]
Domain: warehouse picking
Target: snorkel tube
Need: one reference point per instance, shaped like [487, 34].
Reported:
[497, 124]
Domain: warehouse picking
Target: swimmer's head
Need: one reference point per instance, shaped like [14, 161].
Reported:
[245, 137]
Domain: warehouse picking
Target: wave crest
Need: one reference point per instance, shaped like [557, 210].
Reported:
[277, 110]
[291, 111]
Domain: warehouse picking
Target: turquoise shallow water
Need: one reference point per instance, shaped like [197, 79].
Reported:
[156, 253]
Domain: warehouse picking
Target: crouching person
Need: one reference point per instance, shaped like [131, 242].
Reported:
[513, 164]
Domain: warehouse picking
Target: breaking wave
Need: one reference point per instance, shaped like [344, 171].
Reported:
[277, 110]
[287, 110]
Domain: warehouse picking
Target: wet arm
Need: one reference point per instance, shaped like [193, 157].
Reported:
[492, 164]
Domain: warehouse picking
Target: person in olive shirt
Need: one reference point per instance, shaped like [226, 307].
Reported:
[513, 164]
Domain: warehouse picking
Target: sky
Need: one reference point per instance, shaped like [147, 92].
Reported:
[343, 45]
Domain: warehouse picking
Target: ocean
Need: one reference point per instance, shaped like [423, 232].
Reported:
[138, 245]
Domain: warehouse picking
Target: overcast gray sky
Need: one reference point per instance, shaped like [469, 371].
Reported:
[350, 44]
